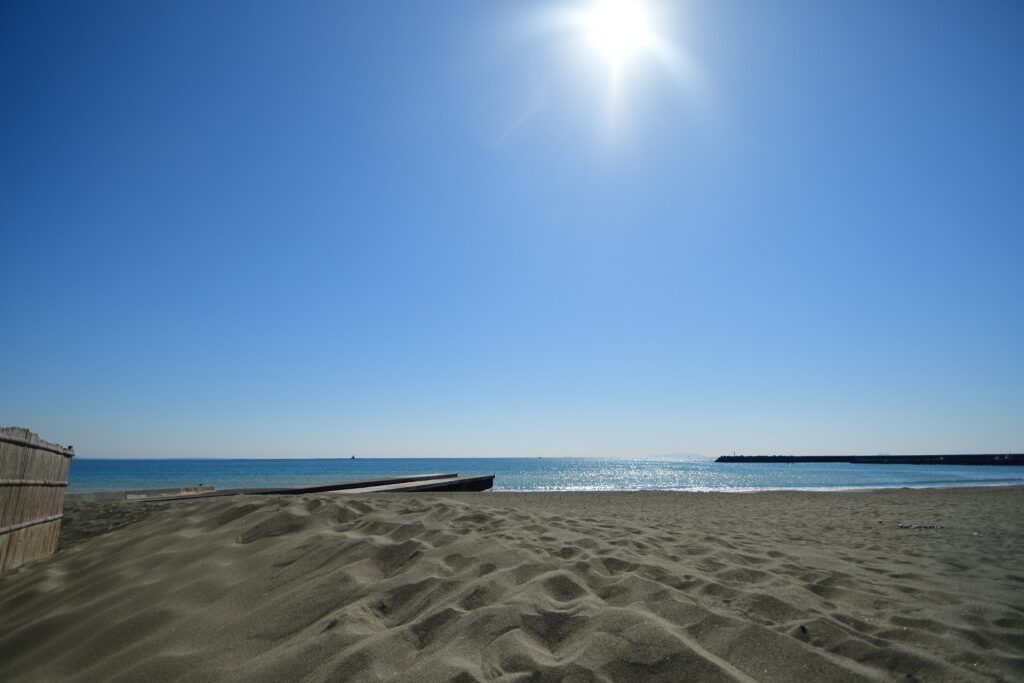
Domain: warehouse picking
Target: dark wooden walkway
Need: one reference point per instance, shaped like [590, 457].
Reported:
[407, 484]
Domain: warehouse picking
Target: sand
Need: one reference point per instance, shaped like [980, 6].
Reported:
[528, 587]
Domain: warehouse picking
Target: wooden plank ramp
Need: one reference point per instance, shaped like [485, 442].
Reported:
[345, 485]
[477, 483]
[408, 484]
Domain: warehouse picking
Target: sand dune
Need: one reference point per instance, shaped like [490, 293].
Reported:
[537, 587]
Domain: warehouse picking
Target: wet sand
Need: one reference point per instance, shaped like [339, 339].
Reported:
[882, 585]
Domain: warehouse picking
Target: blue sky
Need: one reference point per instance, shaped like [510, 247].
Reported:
[410, 228]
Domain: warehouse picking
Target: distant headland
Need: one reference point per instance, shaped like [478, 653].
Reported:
[979, 459]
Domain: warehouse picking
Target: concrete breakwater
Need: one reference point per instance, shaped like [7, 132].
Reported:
[980, 459]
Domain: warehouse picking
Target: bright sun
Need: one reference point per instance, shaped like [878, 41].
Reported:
[612, 43]
[619, 30]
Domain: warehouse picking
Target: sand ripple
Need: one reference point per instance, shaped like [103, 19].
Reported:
[537, 587]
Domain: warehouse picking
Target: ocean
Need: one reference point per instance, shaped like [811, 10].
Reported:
[533, 474]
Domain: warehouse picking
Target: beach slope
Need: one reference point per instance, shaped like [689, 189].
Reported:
[882, 585]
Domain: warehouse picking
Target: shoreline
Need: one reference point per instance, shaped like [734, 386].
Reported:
[838, 489]
[853, 489]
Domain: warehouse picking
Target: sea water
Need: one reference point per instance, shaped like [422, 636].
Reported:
[533, 474]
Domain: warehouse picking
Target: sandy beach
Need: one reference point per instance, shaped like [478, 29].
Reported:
[882, 585]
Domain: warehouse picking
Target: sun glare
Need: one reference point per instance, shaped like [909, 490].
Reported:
[612, 43]
[618, 30]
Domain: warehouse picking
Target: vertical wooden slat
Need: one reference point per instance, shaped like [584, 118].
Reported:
[24, 457]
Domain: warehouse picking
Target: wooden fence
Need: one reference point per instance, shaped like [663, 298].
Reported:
[33, 477]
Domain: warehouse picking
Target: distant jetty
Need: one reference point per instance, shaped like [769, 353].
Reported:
[981, 459]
